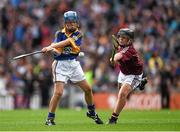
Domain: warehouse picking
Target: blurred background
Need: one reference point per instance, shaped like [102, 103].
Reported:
[29, 25]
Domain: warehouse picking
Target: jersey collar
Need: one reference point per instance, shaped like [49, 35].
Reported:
[64, 31]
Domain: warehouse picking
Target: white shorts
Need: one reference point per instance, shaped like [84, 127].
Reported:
[65, 70]
[133, 80]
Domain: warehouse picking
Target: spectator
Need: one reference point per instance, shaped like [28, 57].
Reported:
[166, 85]
[45, 82]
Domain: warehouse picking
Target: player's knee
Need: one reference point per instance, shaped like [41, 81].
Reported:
[58, 93]
[58, 89]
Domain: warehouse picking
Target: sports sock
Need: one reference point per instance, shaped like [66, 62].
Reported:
[91, 109]
[51, 115]
[114, 116]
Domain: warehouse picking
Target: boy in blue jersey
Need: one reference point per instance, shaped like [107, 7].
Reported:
[66, 47]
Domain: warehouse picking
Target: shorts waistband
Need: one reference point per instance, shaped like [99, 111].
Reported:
[65, 59]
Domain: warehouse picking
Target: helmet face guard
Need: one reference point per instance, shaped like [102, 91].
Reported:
[126, 32]
[70, 16]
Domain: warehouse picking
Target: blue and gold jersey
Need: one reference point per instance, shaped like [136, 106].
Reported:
[70, 51]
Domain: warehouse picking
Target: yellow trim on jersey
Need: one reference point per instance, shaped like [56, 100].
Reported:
[64, 31]
[76, 49]
[79, 35]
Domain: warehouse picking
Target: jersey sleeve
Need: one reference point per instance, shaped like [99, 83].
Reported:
[57, 38]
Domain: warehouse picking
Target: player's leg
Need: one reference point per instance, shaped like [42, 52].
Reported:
[59, 77]
[58, 92]
[89, 100]
[87, 91]
[78, 78]
[124, 90]
[122, 96]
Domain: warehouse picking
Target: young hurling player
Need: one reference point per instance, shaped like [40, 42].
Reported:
[65, 67]
[131, 70]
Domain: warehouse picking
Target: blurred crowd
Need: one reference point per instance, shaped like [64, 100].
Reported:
[29, 25]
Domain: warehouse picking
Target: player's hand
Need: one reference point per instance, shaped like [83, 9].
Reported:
[47, 49]
[111, 61]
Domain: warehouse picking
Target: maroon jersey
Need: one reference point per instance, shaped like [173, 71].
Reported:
[130, 62]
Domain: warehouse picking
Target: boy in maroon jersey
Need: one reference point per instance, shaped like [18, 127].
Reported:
[131, 70]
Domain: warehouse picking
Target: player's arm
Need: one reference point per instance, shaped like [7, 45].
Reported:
[53, 46]
[118, 56]
[123, 56]
[61, 44]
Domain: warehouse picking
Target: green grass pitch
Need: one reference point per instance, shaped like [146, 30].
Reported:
[72, 120]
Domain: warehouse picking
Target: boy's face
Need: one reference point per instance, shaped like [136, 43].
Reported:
[71, 26]
[123, 40]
